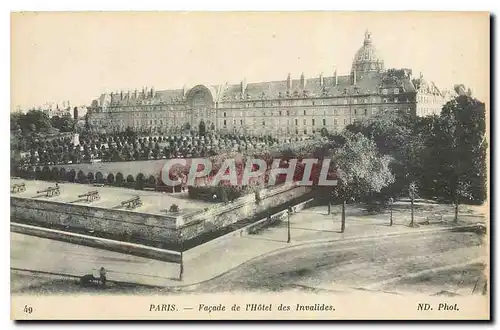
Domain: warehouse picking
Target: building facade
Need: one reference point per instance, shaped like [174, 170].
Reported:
[284, 108]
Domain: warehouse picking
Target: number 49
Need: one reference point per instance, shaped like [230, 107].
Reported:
[28, 309]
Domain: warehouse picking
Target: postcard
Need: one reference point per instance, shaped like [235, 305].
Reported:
[250, 165]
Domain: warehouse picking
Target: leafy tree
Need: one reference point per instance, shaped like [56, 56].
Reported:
[119, 178]
[65, 123]
[54, 174]
[140, 179]
[395, 135]
[202, 128]
[111, 178]
[456, 162]
[99, 178]
[152, 180]
[360, 169]
[72, 175]
[62, 174]
[82, 178]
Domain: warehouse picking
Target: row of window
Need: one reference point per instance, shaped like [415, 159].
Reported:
[336, 112]
[313, 122]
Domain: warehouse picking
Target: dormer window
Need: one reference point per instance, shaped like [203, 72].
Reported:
[384, 91]
[396, 90]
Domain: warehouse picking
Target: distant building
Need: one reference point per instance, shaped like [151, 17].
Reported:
[283, 108]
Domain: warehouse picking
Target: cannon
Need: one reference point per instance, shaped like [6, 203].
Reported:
[18, 187]
[50, 191]
[132, 203]
[91, 196]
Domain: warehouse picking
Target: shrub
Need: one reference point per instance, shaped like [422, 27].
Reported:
[119, 179]
[82, 178]
[174, 208]
[152, 180]
[139, 181]
[99, 178]
[71, 175]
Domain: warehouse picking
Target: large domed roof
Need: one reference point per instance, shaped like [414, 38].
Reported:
[367, 52]
[367, 58]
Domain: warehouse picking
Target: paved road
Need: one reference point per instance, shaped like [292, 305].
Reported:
[34, 253]
[374, 264]
[339, 266]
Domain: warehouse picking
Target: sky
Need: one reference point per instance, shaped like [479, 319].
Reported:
[76, 57]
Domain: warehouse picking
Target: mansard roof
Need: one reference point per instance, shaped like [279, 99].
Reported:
[367, 83]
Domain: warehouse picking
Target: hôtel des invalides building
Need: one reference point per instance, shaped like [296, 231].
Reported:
[284, 108]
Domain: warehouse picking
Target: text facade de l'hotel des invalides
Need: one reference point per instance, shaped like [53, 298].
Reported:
[284, 108]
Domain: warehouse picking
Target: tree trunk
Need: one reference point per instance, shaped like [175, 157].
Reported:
[390, 208]
[412, 217]
[342, 224]
[456, 212]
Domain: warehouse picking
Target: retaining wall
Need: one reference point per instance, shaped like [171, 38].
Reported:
[149, 227]
[247, 230]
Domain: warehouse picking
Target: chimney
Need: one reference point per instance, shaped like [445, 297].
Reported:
[335, 78]
[135, 94]
[289, 82]
[243, 86]
[354, 80]
[121, 95]
[321, 79]
[152, 92]
[302, 81]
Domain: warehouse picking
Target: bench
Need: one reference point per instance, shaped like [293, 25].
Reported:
[51, 191]
[18, 187]
[91, 196]
[132, 203]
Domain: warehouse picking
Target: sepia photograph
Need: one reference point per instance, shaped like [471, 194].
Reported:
[250, 165]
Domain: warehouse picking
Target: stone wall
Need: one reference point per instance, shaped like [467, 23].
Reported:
[242, 208]
[82, 217]
[155, 229]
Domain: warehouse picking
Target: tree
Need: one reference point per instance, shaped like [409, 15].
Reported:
[99, 178]
[72, 175]
[456, 159]
[202, 130]
[396, 135]
[82, 178]
[139, 181]
[324, 131]
[360, 170]
[130, 178]
[62, 174]
[119, 178]
[90, 177]
[111, 178]
[55, 174]
[65, 123]
[152, 180]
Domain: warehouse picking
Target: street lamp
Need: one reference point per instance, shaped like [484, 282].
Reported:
[391, 201]
[181, 269]
[412, 196]
[288, 225]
